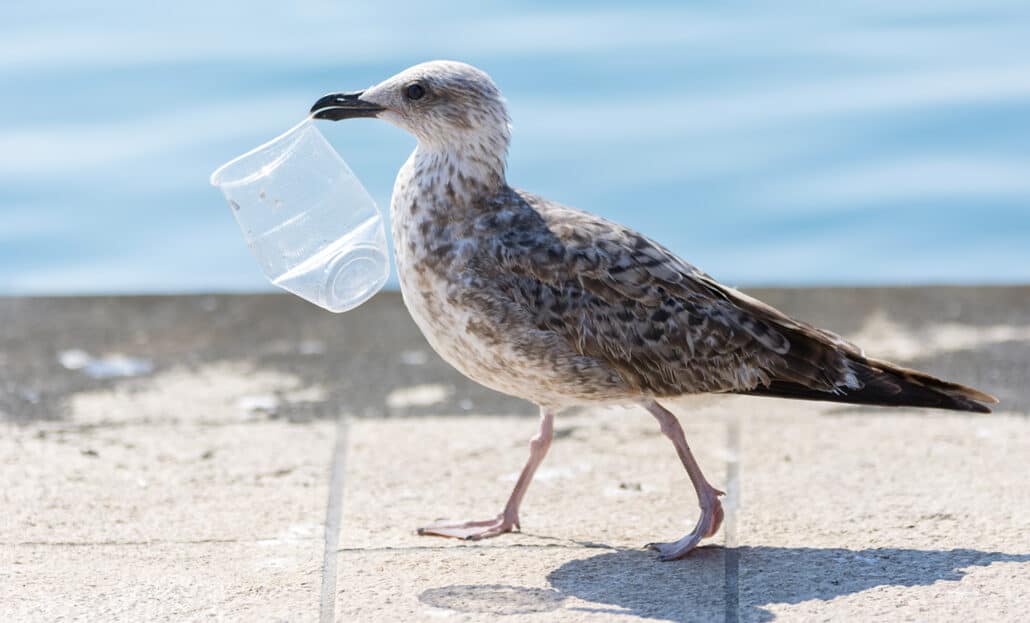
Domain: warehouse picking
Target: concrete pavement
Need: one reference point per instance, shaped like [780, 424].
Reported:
[252, 458]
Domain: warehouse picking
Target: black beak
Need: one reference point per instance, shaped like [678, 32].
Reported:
[336, 106]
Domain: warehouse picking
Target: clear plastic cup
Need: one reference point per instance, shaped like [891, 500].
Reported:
[313, 227]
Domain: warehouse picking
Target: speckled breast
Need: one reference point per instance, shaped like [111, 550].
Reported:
[446, 328]
[511, 356]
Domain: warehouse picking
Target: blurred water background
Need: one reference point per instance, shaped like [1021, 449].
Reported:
[767, 142]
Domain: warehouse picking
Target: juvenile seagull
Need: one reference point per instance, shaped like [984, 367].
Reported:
[561, 307]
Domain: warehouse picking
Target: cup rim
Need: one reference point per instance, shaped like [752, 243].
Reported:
[216, 178]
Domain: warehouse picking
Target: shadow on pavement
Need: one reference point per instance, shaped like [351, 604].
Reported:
[497, 599]
[362, 357]
[632, 582]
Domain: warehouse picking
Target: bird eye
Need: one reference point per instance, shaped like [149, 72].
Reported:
[415, 91]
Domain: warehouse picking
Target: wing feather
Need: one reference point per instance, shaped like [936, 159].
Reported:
[667, 327]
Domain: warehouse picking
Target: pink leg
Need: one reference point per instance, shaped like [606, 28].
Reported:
[707, 495]
[509, 518]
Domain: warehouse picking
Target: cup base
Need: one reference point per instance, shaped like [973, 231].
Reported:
[354, 276]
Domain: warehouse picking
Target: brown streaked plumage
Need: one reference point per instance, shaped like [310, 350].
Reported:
[562, 307]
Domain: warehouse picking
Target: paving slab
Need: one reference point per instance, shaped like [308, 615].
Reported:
[266, 580]
[611, 483]
[842, 514]
[166, 499]
[609, 477]
[864, 514]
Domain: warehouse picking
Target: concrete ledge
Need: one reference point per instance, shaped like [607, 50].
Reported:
[171, 458]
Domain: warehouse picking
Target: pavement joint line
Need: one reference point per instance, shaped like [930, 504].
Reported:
[731, 556]
[333, 517]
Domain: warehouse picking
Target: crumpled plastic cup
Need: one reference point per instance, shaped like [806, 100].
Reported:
[313, 227]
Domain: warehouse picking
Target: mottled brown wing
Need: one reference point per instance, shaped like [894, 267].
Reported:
[667, 327]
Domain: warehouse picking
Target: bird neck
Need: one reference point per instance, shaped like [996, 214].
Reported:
[459, 175]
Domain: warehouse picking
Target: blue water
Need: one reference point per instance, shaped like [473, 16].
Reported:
[767, 142]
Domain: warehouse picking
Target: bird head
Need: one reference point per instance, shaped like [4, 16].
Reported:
[444, 104]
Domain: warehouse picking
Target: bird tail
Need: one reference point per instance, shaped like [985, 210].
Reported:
[885, 384]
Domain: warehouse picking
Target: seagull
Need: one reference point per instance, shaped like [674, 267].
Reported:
[564, 308]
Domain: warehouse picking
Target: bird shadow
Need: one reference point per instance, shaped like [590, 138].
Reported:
[705, 587]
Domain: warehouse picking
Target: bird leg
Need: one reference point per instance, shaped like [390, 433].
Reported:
[509, 518]
[707, 495]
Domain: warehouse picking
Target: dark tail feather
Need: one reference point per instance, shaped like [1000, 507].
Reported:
[886, 384]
